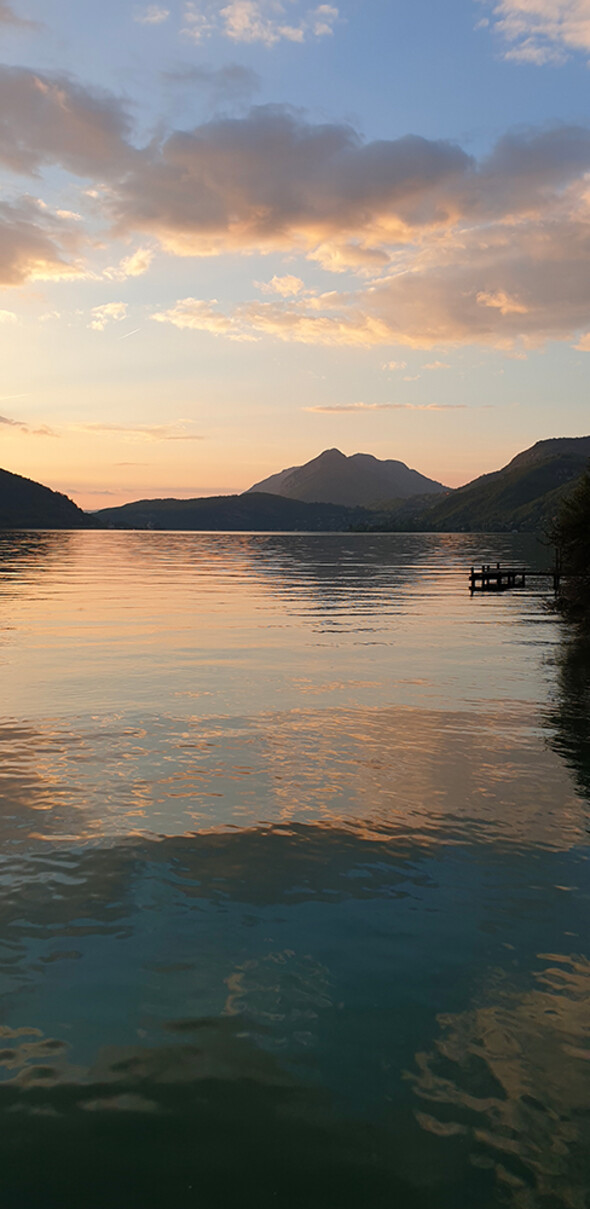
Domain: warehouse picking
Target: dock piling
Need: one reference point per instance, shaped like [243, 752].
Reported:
[501, 579]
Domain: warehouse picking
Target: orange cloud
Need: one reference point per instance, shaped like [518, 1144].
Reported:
[356, 407]
[296, 323]
[452, 251]
[500, 300]
[286, 286]
[109, 312]
[36, 244]
[488, 287]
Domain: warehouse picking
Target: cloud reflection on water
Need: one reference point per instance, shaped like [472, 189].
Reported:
[512, 1076]
[438, 773]
[291, 852]
[270, 987]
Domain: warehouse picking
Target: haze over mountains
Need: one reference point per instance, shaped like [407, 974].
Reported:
[523, 495]
[333, 478]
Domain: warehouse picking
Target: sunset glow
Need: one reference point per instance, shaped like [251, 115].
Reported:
[232, 235]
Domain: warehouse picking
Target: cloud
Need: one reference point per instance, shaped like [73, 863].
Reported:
[395, 365]
[250, 21]
[8, 317]
[327, 321]
[536, 287]
[356, 407]
[199, 315]
[542, 31]
[453, 250]
[273, 181]
[134, 265]
[265, 21]
[138, 263]
[20, 426]
[36, 244]
[286, 286]
[583, 344]
[296, 323]
[152, 15]
[9, 17]
[110, 312]
[327, 408]
[437, 365]
[501, 300]
[490, 253]
[50, 119]
[152, 432]
[348, 253]
[506, 285]
[231, 83]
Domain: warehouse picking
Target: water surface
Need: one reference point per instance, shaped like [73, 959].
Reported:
[293, 876]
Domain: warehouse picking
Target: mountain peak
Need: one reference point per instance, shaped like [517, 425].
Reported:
[361, 479]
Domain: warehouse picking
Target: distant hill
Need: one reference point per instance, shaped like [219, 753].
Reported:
[25, 504]
[543, 451]
[351, 481]
[523, 495]
[257, 511]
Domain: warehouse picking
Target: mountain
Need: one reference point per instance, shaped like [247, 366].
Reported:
[544, 451]
[525, 494]
[360, 479]
[256, 511]
[25, 504]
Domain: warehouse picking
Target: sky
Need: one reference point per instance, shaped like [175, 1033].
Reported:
[234, 233]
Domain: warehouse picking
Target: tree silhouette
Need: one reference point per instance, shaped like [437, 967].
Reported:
[571, 535]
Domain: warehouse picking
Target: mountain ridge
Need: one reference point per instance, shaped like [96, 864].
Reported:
[360, 479]
[524, 494]
[26, 504]
[250, 511]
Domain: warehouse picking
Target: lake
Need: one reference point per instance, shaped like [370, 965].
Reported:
[294, 876]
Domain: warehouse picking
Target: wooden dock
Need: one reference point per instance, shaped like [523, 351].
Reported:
[497, 579]
[501, 579]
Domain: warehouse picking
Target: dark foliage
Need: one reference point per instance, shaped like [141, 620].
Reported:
[571, 535]
[251, 511]
[25, 504]
[524, 496]
[569, 714]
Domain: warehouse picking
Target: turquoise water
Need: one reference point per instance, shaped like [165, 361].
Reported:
[294, 879]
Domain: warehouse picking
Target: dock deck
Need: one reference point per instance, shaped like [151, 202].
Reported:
[501, 579]
[497, 579]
